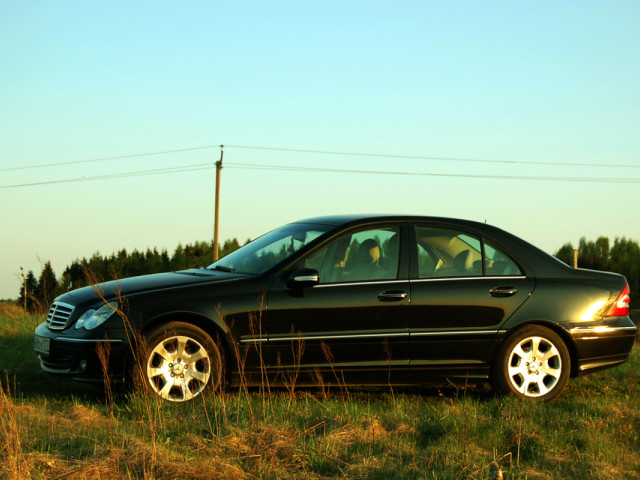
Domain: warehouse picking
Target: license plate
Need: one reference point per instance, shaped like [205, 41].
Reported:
[42, 344]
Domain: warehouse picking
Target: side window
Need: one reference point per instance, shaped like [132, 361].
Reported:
[498, 263]
[444, 252]
[447, 253]
[361, 256]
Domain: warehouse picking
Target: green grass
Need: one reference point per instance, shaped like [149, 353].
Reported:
[56, 429]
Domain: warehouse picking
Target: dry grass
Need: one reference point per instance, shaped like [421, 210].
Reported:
[592, 432]
[421, 436]
[12, 310]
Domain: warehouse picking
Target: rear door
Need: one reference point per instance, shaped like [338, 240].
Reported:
[462, 290]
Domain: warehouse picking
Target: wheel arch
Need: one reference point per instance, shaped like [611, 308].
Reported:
[216, 329]
[555, 328]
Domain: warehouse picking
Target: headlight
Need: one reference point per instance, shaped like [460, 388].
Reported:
[92, 318]
[84, 317]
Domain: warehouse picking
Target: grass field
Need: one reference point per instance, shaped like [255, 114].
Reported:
[56, 429]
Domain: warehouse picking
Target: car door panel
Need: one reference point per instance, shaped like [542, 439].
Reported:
[456, 320]
[351, 325]
[356, 317]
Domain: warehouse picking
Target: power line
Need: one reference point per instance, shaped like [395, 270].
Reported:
[320, 152]
[421, 157]
[104, 159]
[158, 171]
[251, 166]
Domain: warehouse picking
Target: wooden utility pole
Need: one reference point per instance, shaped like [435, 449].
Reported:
[575, 258]
[217, 207]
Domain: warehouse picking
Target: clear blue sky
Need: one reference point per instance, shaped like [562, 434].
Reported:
[530, 86]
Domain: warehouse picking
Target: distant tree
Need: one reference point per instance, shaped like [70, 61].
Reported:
[199, 254]
[118, 263]
[154, 262]
[97, 267]
[594, 255]
[228, 247]
[625, 255]
[565, 253]
[73, 277]
[41, 292]
[179, 259]
[47, 288]
[166, 260]
[28, 291]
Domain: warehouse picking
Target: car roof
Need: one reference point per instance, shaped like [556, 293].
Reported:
[339, 220]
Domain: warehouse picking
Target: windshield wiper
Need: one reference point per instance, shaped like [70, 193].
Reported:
[222, 268]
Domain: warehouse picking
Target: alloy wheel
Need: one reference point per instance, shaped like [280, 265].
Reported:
[178, 368]
[534, 366]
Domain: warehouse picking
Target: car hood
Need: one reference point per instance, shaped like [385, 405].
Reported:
[145, 283]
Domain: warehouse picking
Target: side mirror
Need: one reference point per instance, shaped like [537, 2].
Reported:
[303, 278]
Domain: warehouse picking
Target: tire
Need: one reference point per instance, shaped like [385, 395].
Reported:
[180, 361]
[533, 363]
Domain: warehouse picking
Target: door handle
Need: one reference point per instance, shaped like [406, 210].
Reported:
[392, 295]
[503, 291]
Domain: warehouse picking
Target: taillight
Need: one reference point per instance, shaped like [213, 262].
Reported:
[620, 307]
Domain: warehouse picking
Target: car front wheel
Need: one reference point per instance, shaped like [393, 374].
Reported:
[181, 361]
[533, 363]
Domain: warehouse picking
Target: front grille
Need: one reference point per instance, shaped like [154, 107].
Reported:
[58, 315]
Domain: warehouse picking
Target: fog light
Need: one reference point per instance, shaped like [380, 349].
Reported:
[83, 365]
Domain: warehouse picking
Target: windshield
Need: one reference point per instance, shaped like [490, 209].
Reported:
[266, 251]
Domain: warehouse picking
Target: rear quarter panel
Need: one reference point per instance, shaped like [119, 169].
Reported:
[563, 303]
[575, 309]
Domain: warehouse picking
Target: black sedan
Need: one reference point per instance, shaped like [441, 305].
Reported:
[350, 300]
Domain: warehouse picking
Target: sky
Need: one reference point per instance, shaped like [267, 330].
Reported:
[525, 115]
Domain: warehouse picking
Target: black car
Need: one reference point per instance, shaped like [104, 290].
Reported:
[350, 300]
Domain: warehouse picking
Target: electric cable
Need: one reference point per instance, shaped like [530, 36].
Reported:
[318, 152]
[251, 166]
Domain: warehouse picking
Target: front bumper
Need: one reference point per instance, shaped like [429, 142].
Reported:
[81, 358]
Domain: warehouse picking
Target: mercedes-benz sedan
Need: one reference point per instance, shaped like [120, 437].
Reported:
[350, 300]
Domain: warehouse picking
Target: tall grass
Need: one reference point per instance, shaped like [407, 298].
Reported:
[592, 431]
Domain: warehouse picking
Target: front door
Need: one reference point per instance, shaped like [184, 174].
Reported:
[354, 322]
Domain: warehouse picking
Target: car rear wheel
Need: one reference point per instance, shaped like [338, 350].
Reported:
[533, 363]
[180, 362]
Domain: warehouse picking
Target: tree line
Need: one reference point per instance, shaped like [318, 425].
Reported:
[623, 256]
[36, 294]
